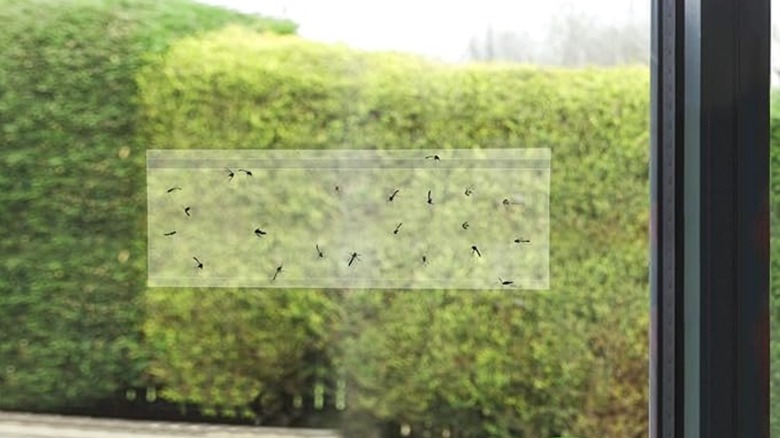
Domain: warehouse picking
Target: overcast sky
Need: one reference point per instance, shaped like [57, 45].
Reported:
[441, 29]
[435, 28]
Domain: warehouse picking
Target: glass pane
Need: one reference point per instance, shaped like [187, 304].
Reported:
[377, 218]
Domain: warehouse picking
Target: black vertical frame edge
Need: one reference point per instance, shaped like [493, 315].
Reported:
[734, 127]
[666, 224]
[754, 205]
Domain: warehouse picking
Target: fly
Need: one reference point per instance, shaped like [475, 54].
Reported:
[247, 172]
[230, 174]
[465, 225]
[171, 233]
[505, 282]
[259, 232]
[468, 191]
[434, 157]
[187, 211]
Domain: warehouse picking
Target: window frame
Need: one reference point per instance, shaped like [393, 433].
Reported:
[709, 231]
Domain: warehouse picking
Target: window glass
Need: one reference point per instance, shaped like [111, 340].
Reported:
[376, 218]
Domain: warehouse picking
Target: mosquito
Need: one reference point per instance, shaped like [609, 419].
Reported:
[352, 257]
[475, 250]
[392, 197]
[171, 233]
[425, 260]
[398, 228]
[230, 174]
[259, 232]
[507, 202]
[505, 282]
[521, 240]
[200, 265]
[187, 211]
[465, 225]
[247, 172]
[319, 251]
[435, 157]
[430, 200]
[278, 271]
[172, 189]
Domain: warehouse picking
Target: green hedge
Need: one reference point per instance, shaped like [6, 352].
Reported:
[72, 193]
[72, 190]
[569, 360]
[774, 297]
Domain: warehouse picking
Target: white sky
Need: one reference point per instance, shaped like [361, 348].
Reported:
[439, 28]
[436, 28]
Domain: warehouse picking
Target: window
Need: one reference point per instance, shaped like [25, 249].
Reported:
[379, 219]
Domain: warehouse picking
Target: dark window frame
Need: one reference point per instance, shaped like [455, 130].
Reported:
[709, 275]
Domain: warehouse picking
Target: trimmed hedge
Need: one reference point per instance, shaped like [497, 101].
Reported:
[569, 360]
[774, 297]
[72, 196]
[72, 191]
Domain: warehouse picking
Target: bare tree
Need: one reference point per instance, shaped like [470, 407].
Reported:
[575, 38]
[502, 46]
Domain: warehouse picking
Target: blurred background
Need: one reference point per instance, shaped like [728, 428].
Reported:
[88, 86]
[556, 32]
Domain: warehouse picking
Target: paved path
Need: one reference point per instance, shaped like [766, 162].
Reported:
[16, 425]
